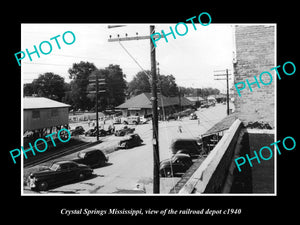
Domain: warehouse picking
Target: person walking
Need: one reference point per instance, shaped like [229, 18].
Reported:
[180, 129]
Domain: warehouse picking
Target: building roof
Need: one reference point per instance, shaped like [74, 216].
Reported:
[211, 97]
[41, 103]
[143, 101]
[224, 124]
[195, 99]
[138, 101]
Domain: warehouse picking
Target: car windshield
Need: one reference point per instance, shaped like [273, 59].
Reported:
[54, 167]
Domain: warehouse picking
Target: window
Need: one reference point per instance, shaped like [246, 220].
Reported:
[64, 167]
[35, 114]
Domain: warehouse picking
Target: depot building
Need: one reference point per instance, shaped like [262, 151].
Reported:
[141, 105]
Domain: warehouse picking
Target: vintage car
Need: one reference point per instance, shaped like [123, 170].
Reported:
[58, 173]
[77, 131]
[126, 130]
[116, 120]
[190, 146]
[193, 116]
[204, 105]
[93, 132]
[175, 166]
[91, 157]
[130, 141]
[133, 120]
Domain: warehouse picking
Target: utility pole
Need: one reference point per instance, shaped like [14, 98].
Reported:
[227, 78]
[102, 82]
[179, 98]
[156, 162]
[227, 92]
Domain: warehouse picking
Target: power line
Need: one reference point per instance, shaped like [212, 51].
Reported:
[47, 64]
[148, 75]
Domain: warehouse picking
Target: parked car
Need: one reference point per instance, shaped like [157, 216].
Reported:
[133, 120]
[58, 173]
[193, 116]
[93, 132]
[116, 120]
[204, 105]
[144, 120]
[190, 146]
[172, 117]
[91, 157]
[175, 166]
[131, 141]
[126, 130]
[211, 103]
[77, 131]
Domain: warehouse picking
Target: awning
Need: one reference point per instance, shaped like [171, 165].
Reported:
[224, 124]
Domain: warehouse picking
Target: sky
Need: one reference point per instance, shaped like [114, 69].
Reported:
[191, 59]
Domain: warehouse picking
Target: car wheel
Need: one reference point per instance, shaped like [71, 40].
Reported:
[166, 173]
[43, 186]
[126, 145]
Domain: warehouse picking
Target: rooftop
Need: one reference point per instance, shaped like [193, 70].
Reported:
[224, 124]
[41, 103]
[143, 100]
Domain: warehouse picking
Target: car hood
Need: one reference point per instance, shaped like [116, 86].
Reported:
[43, 172]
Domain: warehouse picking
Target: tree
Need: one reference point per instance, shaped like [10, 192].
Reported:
[115, 85]
[202, 92]
[79, 73]
[168, 86]
[139, 84]
[47, 85]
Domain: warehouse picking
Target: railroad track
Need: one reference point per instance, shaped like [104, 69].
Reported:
[60, 153]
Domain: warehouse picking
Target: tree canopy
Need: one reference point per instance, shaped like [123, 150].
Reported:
[79, 75]
[115, 87]
[47, 85]
[78, 93]
[141, 83]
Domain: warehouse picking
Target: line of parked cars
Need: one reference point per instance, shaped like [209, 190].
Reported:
[79, 130]
[76, 169]
[135, 120]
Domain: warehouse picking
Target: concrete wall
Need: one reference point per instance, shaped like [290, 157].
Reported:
[259, 178]
[255, 53]
[210, 177]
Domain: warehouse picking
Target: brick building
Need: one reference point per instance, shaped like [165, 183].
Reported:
[255, 53]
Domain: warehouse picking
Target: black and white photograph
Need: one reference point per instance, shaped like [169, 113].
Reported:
[113, 113]
[141, 119]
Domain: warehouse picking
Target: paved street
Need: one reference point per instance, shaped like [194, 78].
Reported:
[126, 168]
